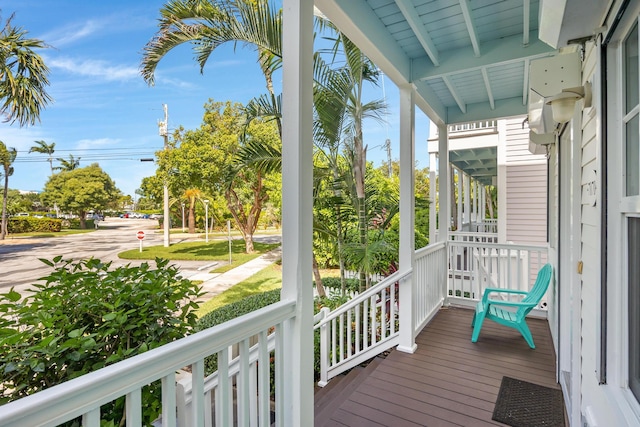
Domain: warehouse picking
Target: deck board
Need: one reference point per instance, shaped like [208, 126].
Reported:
[448, 381]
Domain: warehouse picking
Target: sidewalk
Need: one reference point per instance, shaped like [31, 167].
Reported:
[214, 284]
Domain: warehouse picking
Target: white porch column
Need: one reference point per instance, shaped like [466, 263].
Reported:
[433, 159]
[444, 211]
[407, 217]
[466, 214]
[459, 185]
[501, 185]
[297, 210]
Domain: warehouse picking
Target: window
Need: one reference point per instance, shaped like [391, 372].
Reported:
[630, 211]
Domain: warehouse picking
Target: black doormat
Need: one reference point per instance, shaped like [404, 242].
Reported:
[523, 404]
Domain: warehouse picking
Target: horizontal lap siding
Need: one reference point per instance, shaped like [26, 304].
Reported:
[526, 188]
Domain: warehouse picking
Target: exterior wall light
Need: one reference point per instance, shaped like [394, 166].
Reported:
[563, 104]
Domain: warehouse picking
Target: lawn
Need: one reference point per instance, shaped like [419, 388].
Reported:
[217, 250]
[265, 280]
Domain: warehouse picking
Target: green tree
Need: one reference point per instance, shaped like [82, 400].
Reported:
[7, 157]
[81, 190]
[67, 164]
[43, 148]
[23, 76]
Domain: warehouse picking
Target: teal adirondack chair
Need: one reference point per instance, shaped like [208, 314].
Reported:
[492, 308]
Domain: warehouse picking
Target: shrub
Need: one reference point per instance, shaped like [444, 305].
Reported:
[86, 316]
[28, 224]
[231, 311]
[334, 283]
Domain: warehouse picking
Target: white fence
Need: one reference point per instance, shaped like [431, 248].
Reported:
[240, 394]
[475, 266]
[429, 283]
[360, 329]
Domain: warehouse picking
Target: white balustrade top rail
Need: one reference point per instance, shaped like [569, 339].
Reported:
[84, 395]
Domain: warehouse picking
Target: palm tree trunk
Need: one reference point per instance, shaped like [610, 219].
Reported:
[5, 192]
[192, 216]
[317, 279]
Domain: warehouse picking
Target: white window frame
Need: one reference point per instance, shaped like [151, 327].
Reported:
[620, 207]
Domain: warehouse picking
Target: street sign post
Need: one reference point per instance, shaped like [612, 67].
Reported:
[140, 236]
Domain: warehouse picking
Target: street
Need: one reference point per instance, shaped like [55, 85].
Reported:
[19, 258]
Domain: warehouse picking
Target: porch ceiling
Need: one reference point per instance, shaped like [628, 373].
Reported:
[479, 163]
[468, 59]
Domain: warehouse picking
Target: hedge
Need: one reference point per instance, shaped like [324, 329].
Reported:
[28, 224]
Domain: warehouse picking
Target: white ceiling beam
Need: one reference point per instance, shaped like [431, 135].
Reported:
[525, 84]
[498, 52]
[526, 14]
[471, 27]
[487, 85]
[455, 95]
[413, 19]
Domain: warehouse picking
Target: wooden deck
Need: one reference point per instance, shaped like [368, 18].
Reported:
[448, 381]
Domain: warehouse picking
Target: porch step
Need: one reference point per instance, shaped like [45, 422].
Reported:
[328, 399]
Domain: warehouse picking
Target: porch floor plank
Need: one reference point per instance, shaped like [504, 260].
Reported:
[448, 381]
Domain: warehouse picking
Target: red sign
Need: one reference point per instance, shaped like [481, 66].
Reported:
[140, 235]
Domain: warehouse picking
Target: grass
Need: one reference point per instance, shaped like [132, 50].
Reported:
[265, 280]
[200, 251]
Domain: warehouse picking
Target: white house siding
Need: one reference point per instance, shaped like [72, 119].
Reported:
[526, 198]
[601, 404]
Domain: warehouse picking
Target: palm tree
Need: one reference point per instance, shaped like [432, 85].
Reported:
[44, 148]
[23, 76]
[192, 195]
[7, 157]
[207, 25]
[68, 165]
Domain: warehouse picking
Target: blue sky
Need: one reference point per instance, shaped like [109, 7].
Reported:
[104, 112]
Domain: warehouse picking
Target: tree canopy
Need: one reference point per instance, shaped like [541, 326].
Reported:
[81, 190]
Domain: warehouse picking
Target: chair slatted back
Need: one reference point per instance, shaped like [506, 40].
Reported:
[538, 290]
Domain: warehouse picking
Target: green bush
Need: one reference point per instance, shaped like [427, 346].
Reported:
[86, 316]
[28, 224]
[231, 311]
[334, 283]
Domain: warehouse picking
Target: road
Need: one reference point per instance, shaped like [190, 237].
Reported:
[19, 258]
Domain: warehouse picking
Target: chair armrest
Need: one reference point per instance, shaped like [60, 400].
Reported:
[487, 291]
[512, 303]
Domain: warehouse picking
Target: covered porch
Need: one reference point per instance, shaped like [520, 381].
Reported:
[448, 381]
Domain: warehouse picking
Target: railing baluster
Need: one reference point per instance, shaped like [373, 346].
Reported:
[169, 400]
[242, 384]
[223, 402]
[334, 343]
[92, 418]
[358, 330]
[133, 408]
[264, 386]
[279, 375]
[349, 333]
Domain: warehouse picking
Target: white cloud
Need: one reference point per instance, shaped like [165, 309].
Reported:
[21, 138]
[95, 68]
[72, 33]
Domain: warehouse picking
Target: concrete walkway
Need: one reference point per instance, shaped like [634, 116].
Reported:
[214, 284]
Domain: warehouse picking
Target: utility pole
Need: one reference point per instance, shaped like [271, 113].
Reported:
[387, 145]
[163, 128]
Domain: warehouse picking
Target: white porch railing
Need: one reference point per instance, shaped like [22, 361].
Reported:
[474, 266]
[360, 329]
[429, 283]
[241, 392]
[460, 236]
[455, 271]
